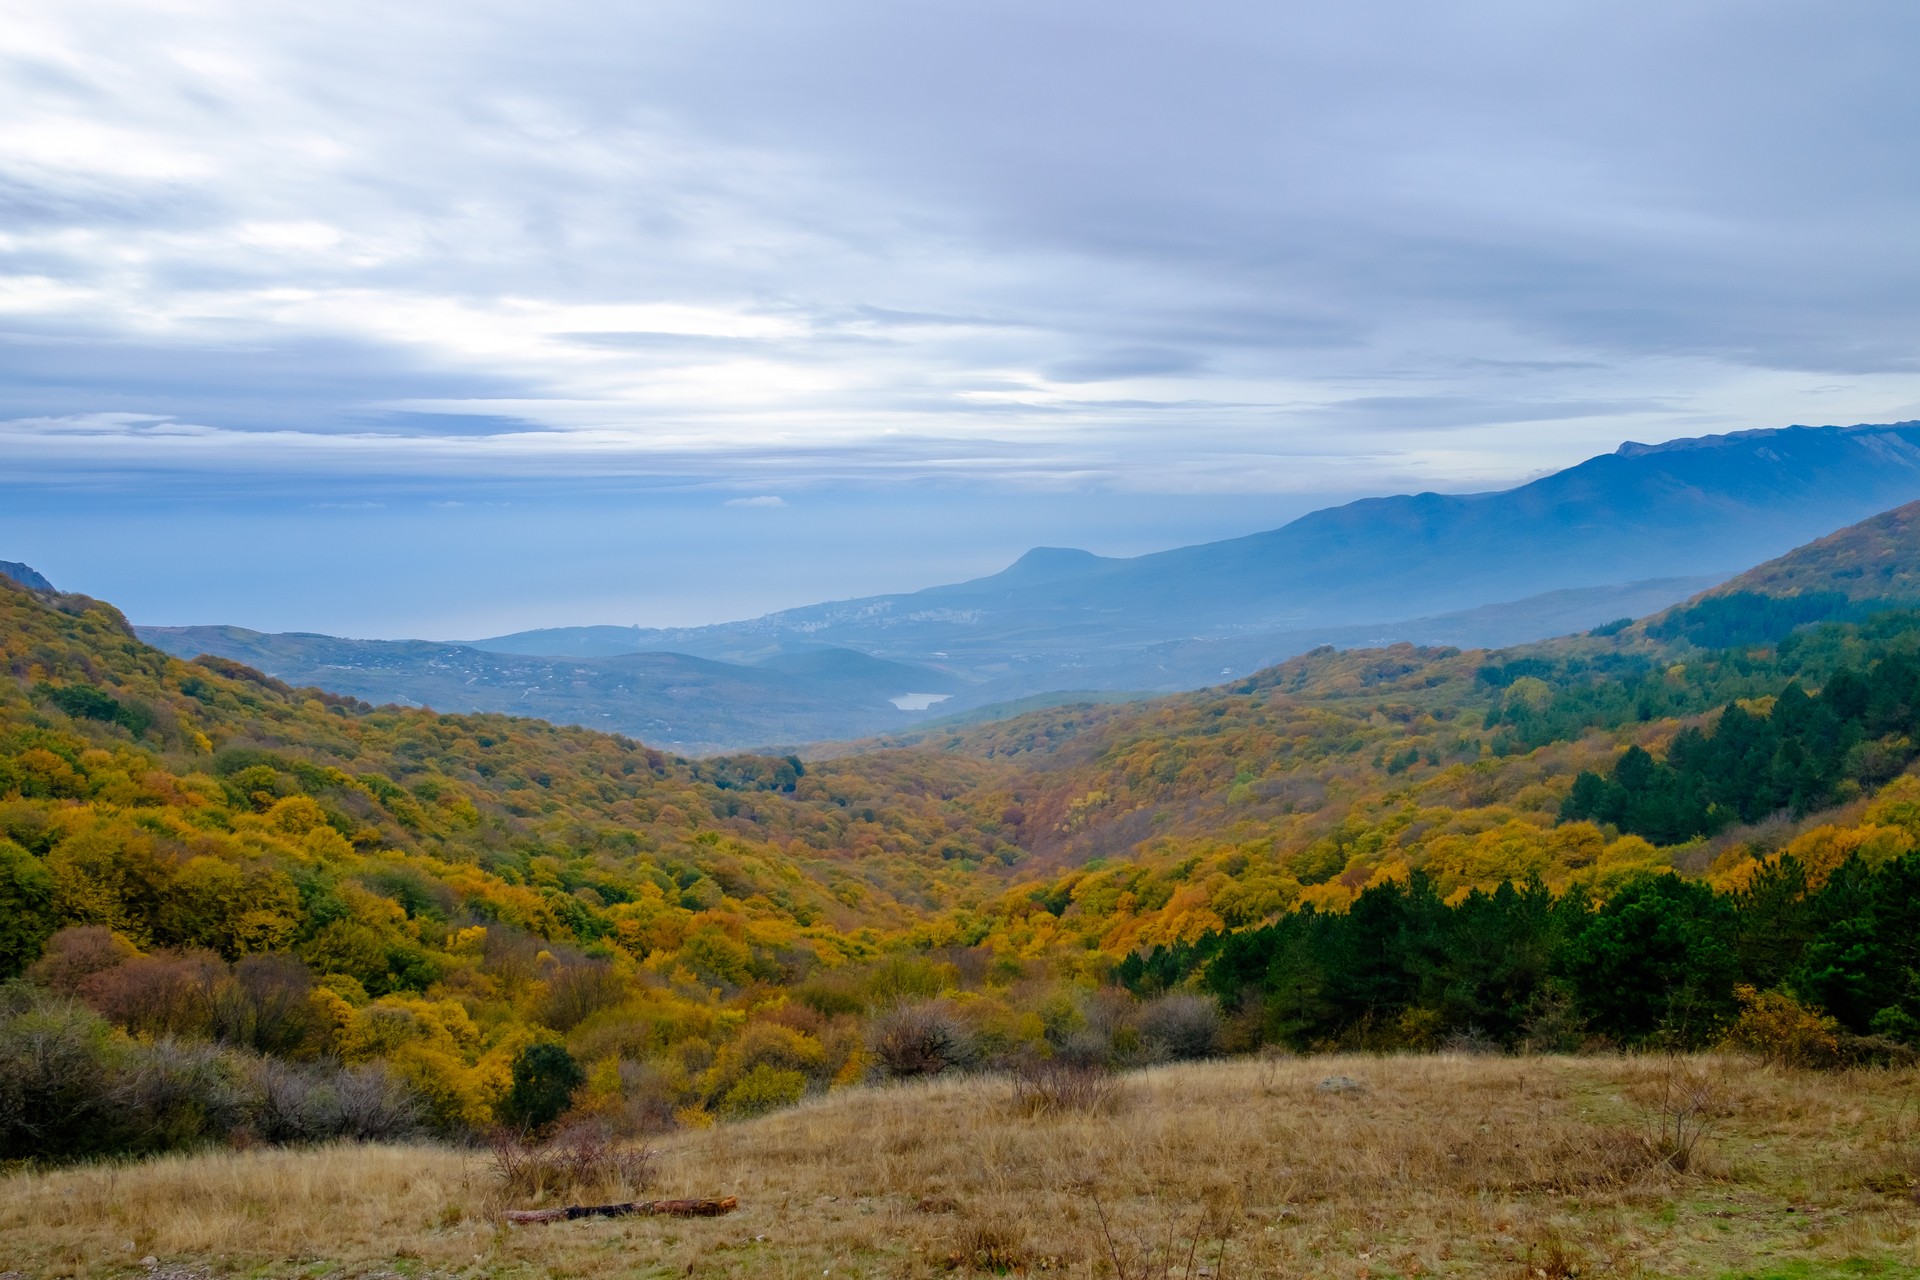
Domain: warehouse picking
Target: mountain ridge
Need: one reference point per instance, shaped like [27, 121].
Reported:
[1626, 533]
[1696, 507]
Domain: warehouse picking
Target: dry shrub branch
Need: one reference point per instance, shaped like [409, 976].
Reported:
[580, 1161]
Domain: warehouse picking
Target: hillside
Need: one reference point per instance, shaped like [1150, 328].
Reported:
[1866, 567]
[197, 851]
[1877, 559]
[686, 704]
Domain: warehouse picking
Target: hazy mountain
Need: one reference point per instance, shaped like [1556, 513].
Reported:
[1700, 508]
[789, 694]
[1622, 535]
[671, 700]
[1876, 559]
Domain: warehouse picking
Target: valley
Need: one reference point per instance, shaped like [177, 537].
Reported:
[1621, 535]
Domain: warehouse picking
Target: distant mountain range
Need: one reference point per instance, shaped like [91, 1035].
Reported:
[1705, 507]
[1624, 534]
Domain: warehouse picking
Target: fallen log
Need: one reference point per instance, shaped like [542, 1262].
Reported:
[670, 1208]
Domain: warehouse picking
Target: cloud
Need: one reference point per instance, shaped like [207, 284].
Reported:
[764, 500]
[715, 243]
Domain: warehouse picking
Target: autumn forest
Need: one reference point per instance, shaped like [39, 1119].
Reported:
[230, 905]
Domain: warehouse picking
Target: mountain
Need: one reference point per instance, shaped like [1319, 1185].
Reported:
[1877, 559]
[1058, 618]
[1622, 535]
[688, 704]
[14, 571]
[776, 691]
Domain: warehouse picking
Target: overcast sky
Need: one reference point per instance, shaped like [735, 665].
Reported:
[443, 318]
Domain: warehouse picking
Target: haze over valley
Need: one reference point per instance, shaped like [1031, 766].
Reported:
[1623, 534]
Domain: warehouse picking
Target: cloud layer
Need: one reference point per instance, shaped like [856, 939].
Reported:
[1248, 247]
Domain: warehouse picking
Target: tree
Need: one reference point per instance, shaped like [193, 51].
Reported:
[1657, 957]
[26, 902]
[544, 1078]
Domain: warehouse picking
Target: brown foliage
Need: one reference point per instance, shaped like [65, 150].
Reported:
[581, 1160]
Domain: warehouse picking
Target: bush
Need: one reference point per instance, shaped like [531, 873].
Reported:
[57, 1063]
[1780, 1030]
[1048, 1086]
[171, 1094]
[75, 954]
[921, 1040]
[575, 992]
[544, 1078]
[1187, 1026]
[763, 1089]
[266, 1006]
[302, 1103]
[164, 994]
[582, 1158]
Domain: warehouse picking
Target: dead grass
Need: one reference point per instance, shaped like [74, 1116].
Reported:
[1468, 1166]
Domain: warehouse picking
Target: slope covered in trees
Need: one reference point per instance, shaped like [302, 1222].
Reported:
[1380, 847]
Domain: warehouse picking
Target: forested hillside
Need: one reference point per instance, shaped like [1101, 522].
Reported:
[1382, 847]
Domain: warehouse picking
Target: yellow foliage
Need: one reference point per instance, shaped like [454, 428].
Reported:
[1822, 850]
[1781, 1030]
[385, 1025]
[457, 1095]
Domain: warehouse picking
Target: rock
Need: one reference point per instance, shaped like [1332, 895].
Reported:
[1340, 1084]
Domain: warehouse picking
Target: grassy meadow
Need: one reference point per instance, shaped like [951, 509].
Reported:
[1422, 1166]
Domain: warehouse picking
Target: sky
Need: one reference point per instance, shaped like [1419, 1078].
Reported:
[452, 318]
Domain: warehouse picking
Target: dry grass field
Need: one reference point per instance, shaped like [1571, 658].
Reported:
[1431, 1166]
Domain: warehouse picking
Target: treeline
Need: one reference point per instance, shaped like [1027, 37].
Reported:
[1664, 960]
[1805, 754]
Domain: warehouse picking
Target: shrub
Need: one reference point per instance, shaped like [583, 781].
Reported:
[580, 1158]
[921, 1040]
[70, 1086]
[575, 992]
[1780, 1030]
[1187, 1026]
[266, 1006]
[172, 1094]
[544, 1078]
[309, 1103]
[763, 1089]
[75, 954]
[57, 1061]
[164, 994]
[1049, 1086]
